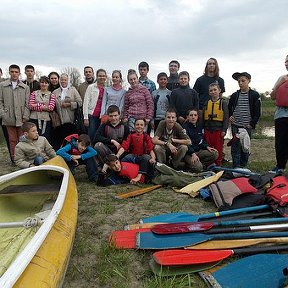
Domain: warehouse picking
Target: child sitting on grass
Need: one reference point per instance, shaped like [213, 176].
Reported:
[32, 149]
[79, 152]
[125, 172]
[140, 149]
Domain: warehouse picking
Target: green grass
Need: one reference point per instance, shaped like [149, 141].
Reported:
[94, 263]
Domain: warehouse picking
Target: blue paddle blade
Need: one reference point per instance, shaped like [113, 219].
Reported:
[149, 240]
[257, 271]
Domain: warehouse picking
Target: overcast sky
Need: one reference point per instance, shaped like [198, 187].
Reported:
[246, 35]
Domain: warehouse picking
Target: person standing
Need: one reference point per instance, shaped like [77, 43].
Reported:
[161, 98]
[183, 98]
[174, 67]
[89, 79]
[211, 75]
[244, 112]
[93, 102]
[4, 129]
[143, 69]
[279, 93]
[216, 120]
[14, 110]
[138, 101]
[113, 95]
[30, 81]
[41, 103]
[67, 101]
[54, 81]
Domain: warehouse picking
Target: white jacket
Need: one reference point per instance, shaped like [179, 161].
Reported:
[90, 100]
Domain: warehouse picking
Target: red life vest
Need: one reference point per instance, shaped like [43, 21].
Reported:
[130, 170]
[69, 139]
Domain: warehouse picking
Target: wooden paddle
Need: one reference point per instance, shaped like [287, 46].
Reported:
[188, 217]
[193, 188]
[191, 257]
[230, 244]
[174, 228]
[149, 240]
[137, 192]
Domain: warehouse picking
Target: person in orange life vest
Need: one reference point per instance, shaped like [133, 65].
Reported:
[216, 120]
[140, 148]
[78, 152]
[125, 172]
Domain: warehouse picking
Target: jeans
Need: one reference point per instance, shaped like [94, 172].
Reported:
[239, 158]
[94, 123]
[91, 168]
[38, 160]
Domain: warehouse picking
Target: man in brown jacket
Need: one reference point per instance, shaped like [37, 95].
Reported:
[14, 111]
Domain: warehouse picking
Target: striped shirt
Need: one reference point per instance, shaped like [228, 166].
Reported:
[241, 113]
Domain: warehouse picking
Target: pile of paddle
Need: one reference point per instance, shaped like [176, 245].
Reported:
[191, 243]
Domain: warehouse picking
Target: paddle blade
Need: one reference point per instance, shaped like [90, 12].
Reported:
[125, 239]
[229, 244]
[136, 192]
[257, 271]
[164, 271]
[189, 257]
[186, 227]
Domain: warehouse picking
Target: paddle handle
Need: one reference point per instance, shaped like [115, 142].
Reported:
[232, 212]
[245, 235]
[270, 227]
[252, 250]
[226, 169]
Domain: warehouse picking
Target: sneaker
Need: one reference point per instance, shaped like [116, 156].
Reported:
[276, 170]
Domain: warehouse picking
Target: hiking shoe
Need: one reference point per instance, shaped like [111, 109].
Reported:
[277, 170]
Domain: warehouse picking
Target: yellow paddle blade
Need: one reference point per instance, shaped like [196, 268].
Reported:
[193, 188]
[237, 243]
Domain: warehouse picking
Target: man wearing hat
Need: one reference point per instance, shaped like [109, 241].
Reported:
[244, 112]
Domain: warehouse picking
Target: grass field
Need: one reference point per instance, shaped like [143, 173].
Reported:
[94, 264]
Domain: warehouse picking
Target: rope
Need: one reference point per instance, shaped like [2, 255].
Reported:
[27, 223]
[31, 222]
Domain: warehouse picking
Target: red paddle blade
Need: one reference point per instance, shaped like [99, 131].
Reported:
[125, 239]
[184, 227]
[188, 257]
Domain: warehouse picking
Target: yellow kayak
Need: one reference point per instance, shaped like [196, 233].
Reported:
[38, 217]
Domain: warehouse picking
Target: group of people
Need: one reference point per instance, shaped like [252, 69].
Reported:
[176, 125]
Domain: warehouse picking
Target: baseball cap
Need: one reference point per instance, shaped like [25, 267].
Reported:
[236, 75]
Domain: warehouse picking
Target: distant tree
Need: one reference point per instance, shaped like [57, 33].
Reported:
[38, 74]
[74, 74]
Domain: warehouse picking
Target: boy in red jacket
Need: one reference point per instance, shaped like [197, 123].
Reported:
[140, 149]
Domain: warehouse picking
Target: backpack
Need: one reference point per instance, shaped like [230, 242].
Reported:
[277, 195]
[68, 140]
[282, 95]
